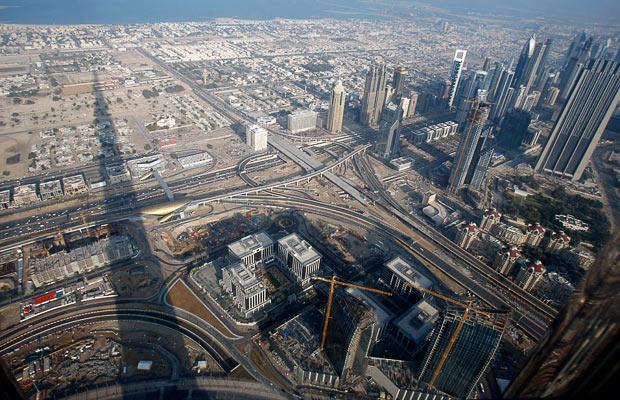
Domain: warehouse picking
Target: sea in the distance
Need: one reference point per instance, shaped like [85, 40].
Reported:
[67, 12]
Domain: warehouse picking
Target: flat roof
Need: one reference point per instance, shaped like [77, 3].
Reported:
[300, 249]
[245, 278]
[418, 321]
[408, 273]
[50, 186]
[250, 244]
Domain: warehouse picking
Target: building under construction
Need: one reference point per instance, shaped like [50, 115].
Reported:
[350, 335]
[461, 349]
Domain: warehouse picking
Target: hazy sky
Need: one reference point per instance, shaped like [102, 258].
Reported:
[602, 10]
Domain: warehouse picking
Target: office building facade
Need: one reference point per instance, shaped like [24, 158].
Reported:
[455, 75]
[374, 96]
[299, 259]
[337, 102]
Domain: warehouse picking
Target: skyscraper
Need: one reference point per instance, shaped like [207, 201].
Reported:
[471, 147]
[455, 74]
[583, 119]
[468, 357]
[336, 108]
[398, 81]
[502, 96]
[413, 103]
[528, 69]
[513, 129]
[374, 96]
[578, 56]
[472, 88]
[388, 141]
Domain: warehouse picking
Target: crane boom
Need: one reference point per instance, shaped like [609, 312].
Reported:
[451, 300]
[330, 298]
[446, 353]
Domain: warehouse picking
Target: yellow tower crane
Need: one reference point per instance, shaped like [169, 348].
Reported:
[333, 281]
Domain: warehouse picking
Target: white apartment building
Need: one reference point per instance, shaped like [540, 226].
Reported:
[299, 258]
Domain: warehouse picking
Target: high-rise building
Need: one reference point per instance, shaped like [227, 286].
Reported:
[388, 140]
[502, 96]
[336, 108]
[490, 218]
[494, 81]
[455, 74]
[256, 137]
[472, 88]
[513, 129]
[374, 96]
[530, 275]
[505, 260]
[527, 52]
[298, 258]
[444, 90]
[471, 146]
[466, 235]
[528, 70]
[413, 103]
[577, 58]
[583, 119]
[302, 121]
[469, 355]
[398, 81]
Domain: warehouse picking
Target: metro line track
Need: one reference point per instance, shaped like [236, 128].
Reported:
[186, 328]
[449, 246]
[534, 328]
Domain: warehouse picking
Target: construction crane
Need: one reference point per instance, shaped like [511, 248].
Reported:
[457, 331]
[333, 281]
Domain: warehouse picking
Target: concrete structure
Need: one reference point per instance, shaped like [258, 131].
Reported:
[455, 75]
[472, 155]
[555, 288]
[374, 96]
[530, 275]
[505, 260]
[249, 294]
[336, 108]
[200, 159]
[510, 234]
[256, 137]
[50, 190]
[413, 104]
[535, 234]
[301, 121]
[5, 199]
[557, 241]
[570, 222]
[24, 195]
[398, 81]
[466, 234]
[299, 258]
[591, 103]
[401, 163]
[74, 185]
[253, 249]
[434, 132]
[470, 355]
[404, 278]
[413, 327]
[490, 218]
[118, 173]
[388, 140]
[350, 335]
[144, 165]
[579, 258]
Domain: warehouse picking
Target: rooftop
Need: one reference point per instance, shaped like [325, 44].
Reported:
[300, 249]
[408, 273]
[418, 321]
[250, 244]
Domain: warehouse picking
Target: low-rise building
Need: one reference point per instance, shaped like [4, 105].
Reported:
[298, 258]
[248, 292]
[24, 195]
[401, 163]
[50, 190]
[5, 199]
[404, 278]
[74, 185]
[555, 288]
[466, 235]
[118, 173]
[143, 165]
[196, 160]
[530, 275]
[252, 249]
